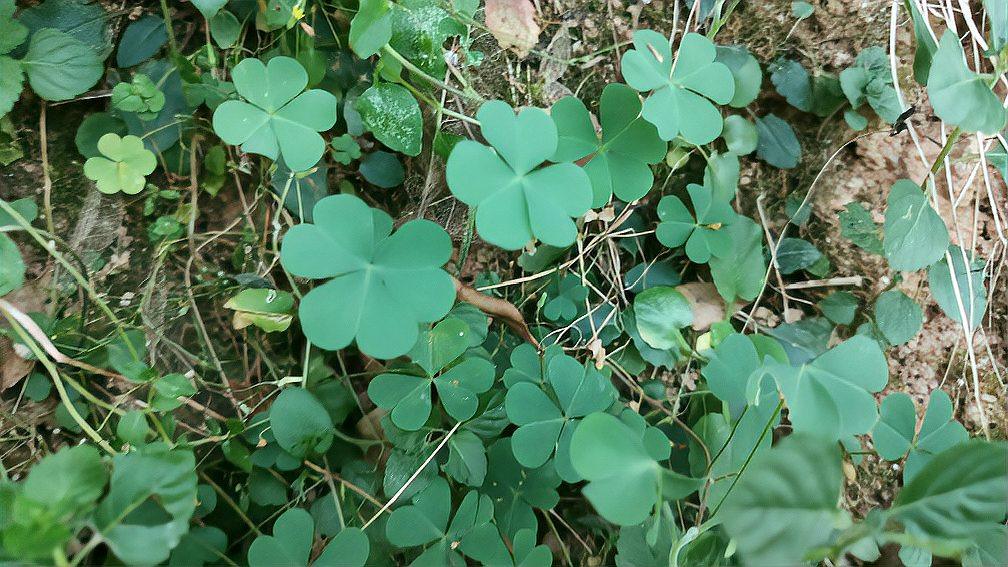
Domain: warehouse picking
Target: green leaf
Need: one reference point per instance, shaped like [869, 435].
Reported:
[440, 346]
[151, 497]
[12, 266]
[898, 317]
[915, 236]
[856, 225]
[383, 285]
[839, 307]
[123, 165]
[567, 299]
[409, 397]
[926, 45]
[683, 90]
[515, 202]
[12, 32]
[959, 96]
[393, 115]
[209, 8]
[740, 272]
[706, 235]
[722, 175]
[515, 490]
[896, 435]
[795, 254]
[467, 461]
[349, 548]
[832, 395]
[167, 390]
[869, 80]
[290, 543]
[966, 289]
[545, 426]
[660, 313]
[778, 144]
[419, 31]
[792, 82]
[300, 423]
[960, 490]
[141, 40]
[199, 547]
[60, 67]
[740, 135]
[140, 96]
[11, 83]
[785, 504]
[382, 169]
[267, 309]
[132, 427]
[801, 10]
[729, 367]
[67, 481]
[278, 117]
[225, 29]
[345, 149]
[93, 128]
[618, 163]
[85, 20]
[371, 27]
[746, 73]
[625, 481]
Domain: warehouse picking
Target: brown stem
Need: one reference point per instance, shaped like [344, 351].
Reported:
[499, 308]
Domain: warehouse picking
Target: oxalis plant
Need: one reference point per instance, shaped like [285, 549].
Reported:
[446, 324]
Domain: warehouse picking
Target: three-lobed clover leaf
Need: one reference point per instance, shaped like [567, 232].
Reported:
[915, 235]
[426, 522]
[141, 96]
[831, 396]
[516, 490]
[408, 396]
[545, 426]
[515, 202]
[683, 88]
[618, 163]
[292, 539]
[277, 116]
[705, 234]
[896, 436]
[566, 299]
[382, 285]
[123, 165]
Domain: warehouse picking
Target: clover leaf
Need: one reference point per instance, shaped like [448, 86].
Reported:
[123, 165]
[682, 89]
[896, 436]
[300, 423]
[544, 425]
[292, 539]
[961, 284]
[625, 480]
[704, 234]
[383, 285]
[831, 396]
[515, 202]
[408, 396]
[915, 235]
[140, 96]
[567, 298]
[344, 149]
[618, 162]
[425, 522]
[960, 96]
[277, 116]
[516, 490]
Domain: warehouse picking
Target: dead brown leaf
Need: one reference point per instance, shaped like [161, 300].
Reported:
[512, 23]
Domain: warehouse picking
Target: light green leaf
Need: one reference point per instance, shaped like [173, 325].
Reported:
[960, 96]
[832, 395]
[960, 490]
[383, 285]
[132, 427]
[660, 313]
[706, 234]
[12, 32]
[683, 90]
[962, 284]
[60, 67]
[225, 29]
[515, 202]
[393, 115]
[209, 8]
[12, 266]
[746, 73]
[370, 28]
[268, 309]
[300, 423]
[785, 504]
[278, 117]
[123, 165]
[915, 236]
[11, 83]
[618, 163]
[801, 10]
[740, 135]
[739, 274]
[898, 317]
